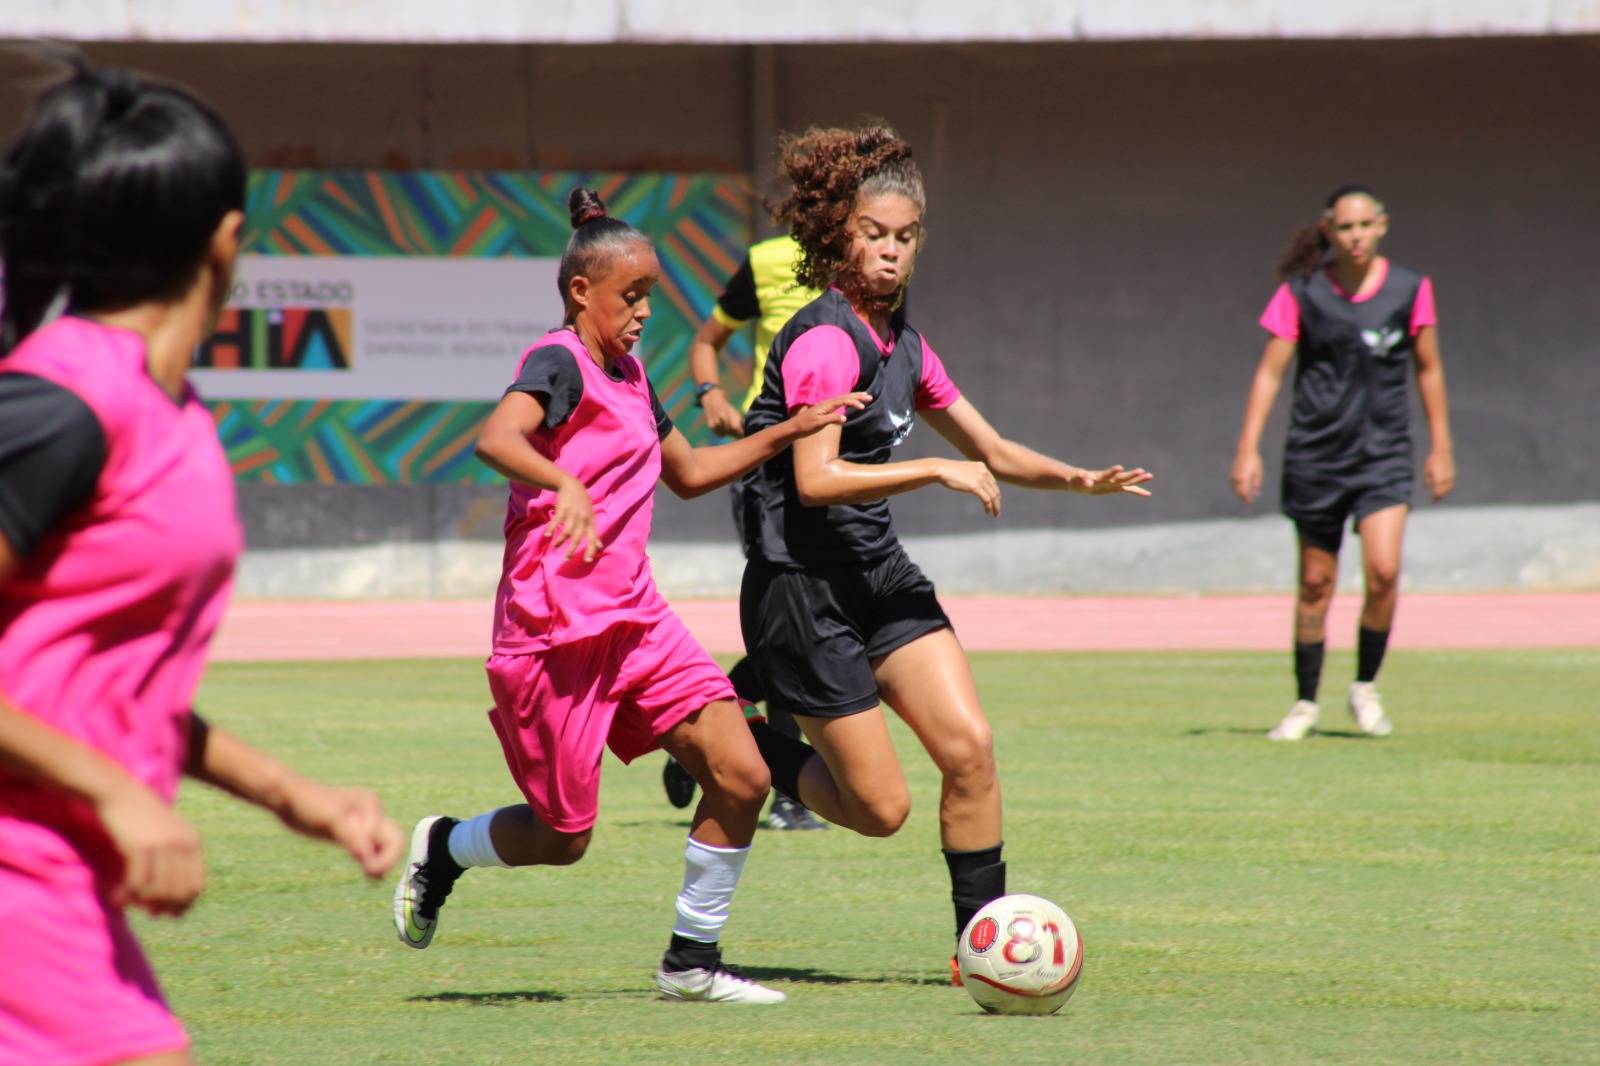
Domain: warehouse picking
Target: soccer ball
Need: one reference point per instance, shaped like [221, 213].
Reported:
[1020, 955]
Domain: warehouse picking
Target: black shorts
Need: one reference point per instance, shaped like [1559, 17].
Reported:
[1320, 503]
[813, 634]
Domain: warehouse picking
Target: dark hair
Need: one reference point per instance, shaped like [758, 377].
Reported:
[110, 196]
[830, 169]
[596, 239]
[1309, 246]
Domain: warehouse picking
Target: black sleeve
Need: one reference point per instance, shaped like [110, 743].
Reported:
[664, 425]
[552, 374]
[52, 450]
[738, 300]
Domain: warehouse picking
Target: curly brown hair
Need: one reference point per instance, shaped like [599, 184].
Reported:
[830, 169]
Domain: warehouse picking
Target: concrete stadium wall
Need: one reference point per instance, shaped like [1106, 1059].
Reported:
[1104, 219]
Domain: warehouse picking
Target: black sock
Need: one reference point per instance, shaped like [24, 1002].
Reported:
[783, 722]
[685, 954]
[746, 682]
[976, 878]
[785, 758]
[1308, 669]
[1370, 646]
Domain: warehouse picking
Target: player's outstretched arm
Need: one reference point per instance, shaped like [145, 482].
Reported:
[689, 471]
[353, 818]
[964, 426]
[503, 447]
[822, 478]
[1439, 471]
[1275, 359]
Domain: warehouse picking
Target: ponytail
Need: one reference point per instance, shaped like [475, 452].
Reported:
[596, 238]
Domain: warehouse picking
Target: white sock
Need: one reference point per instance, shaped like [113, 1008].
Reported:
[710, 875]
[470, 844]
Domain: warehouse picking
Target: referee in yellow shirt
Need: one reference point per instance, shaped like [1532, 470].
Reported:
[762, 290]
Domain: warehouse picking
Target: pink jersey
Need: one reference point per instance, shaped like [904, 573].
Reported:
[822, 363]
[104, 625]
[1282, 315]
[608, 435]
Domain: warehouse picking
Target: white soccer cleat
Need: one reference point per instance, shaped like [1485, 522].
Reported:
[1367, 710]
[1300, 720]
[715, 985]
[424, 884]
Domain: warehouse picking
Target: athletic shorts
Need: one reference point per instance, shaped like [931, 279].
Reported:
[74, 985]
[813, 634]
[1321, 503]
[555, 711]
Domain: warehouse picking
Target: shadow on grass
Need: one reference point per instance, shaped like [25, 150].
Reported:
[1331, 734]
[488, 999]
[807, 976]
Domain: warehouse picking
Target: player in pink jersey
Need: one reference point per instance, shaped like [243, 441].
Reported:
[587, 654]
[1354, 324]
[120, 211]
[838, 620]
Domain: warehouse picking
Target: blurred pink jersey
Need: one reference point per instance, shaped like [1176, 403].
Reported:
[104, 625]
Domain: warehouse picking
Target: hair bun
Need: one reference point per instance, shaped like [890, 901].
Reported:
[585, 206]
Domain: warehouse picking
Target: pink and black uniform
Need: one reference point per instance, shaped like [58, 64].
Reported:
[828, 589]
[118, 503]
[588, 654]
[1348, 453]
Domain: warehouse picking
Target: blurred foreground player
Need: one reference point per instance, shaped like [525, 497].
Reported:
[1354, 324]
[120, 212]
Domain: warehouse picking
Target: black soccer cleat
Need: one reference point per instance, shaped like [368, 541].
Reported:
[678, 783]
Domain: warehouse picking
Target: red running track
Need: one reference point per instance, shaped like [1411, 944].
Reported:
[386, 629]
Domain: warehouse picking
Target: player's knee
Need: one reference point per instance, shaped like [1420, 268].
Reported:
[1383, 579]
[746, 784]
[883, 816]
[967, 757]
[1316, 588]
[568, 848]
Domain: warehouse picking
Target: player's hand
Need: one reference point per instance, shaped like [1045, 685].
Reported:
[1247, 476]
[975, 478]
[722, 418]
[162, 871]
[1112, 479]
[829, 412]
[1439, 474]
[572, 523]
[352, 818]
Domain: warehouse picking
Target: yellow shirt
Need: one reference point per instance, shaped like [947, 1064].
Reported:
[764, 289]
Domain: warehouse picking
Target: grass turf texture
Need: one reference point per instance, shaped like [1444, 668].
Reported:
[1426, 898]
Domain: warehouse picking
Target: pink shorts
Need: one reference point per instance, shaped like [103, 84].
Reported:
[557, 710]
[74, 985]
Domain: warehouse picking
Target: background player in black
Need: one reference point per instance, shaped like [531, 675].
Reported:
[837, 619]
[1352, 322]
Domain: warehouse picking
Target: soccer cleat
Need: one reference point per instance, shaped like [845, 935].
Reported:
[787, 814]
[1297, 723]
[430, 874]
[1366, 709]
[678, 782]
[716, 984]
[955, 973]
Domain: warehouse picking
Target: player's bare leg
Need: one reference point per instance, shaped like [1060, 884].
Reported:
[1382, 538]
[1319, 576]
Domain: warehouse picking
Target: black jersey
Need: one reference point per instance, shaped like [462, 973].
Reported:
[789, 533]
[1351, 401]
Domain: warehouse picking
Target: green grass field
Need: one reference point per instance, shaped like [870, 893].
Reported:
[1428, 898]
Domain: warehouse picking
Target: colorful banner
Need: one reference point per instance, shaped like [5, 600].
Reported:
[376, 317]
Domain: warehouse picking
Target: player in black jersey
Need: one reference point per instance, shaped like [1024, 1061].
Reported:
[836, 618]
[1353, 322]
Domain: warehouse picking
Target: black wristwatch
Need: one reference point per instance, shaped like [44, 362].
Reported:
[700, 391]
